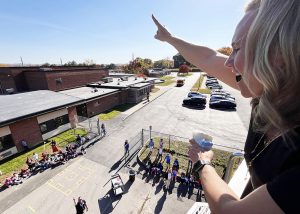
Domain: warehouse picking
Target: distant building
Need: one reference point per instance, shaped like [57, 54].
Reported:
[22, 79]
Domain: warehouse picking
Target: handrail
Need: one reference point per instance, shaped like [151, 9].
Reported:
[230, 162]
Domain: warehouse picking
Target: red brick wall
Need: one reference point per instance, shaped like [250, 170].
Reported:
[102, 104]
[73, 79]
[28, 130]
[36, 80]
[73, 116]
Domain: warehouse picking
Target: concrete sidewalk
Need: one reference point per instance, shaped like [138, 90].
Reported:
[153, 96]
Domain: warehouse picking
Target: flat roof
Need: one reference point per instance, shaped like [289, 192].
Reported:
[25, 105]
[139, 85]
[118, 83]
[87, 93]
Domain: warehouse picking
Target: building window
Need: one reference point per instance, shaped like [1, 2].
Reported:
[53, 124]
[6, 142]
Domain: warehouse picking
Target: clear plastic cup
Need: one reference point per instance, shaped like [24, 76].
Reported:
[203, 140]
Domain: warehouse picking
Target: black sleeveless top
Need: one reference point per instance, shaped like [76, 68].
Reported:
[276, 164]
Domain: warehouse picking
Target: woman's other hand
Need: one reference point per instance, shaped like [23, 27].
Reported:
[196, 153]
[162, 33]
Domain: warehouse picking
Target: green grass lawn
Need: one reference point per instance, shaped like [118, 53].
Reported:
[198, 84]
[18, 162]
[168, 80]
[112, 113]
[184, 75]
[179, 150]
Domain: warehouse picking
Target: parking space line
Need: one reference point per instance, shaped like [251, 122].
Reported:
[31, 209]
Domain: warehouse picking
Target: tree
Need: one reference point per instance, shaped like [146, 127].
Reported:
[138, 65]
[163, 63]
[45, 65]
[180, 60]
[111, 66]
[225, 50]
[89, 62]
[70, 63]
[184, 69]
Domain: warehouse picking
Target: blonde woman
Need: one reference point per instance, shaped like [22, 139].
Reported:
[264, 65]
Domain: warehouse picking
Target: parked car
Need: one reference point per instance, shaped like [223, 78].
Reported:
[214, 86]
[195, 93]
[222, 104]
[194, 101]
[222, 96]
[180, 82]
[211, 82]
[220, 92]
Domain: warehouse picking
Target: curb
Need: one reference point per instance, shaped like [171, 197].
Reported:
[145, 104]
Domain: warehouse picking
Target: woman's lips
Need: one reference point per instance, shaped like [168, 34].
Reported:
[238, 77]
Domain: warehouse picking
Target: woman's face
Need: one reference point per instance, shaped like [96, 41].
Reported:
[236, 61]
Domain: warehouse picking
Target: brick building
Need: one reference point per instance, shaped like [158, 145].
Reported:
[22, 79]
[96, 100]
[34, 117]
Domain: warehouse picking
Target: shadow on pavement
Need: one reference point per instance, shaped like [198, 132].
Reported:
[194, 107]
[116, 165]
[159, 186]
[160, 203]
[106, 204]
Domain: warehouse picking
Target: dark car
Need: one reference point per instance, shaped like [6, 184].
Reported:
[196, 94]
[207, 83]
[221, 97]
[194, 101]
[222, 104]
[214, 86]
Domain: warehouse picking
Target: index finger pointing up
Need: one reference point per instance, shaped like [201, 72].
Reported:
[156, 22]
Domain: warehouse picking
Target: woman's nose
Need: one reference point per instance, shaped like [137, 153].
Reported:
[229, 62]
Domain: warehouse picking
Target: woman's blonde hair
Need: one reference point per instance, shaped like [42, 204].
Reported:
[273, 57]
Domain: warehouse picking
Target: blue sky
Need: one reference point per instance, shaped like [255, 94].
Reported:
[109, 31]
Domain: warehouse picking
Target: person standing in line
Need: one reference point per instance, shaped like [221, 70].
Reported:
[148, 96]
[168, 179]
[168, 160]
[103, 130]
[126, 148]
[25, 145]
[151, 145]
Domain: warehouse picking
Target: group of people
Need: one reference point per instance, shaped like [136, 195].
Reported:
[38, 164]
[170, 174]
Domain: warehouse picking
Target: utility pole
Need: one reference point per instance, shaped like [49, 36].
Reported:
[22, 61]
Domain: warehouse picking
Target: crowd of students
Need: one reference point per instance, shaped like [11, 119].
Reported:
[170, 174]
[36, 163]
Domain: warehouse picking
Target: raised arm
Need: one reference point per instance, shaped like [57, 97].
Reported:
[203, 57]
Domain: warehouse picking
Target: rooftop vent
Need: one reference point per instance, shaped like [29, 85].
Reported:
[46, 69]
[124, 78]
[107, 79]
